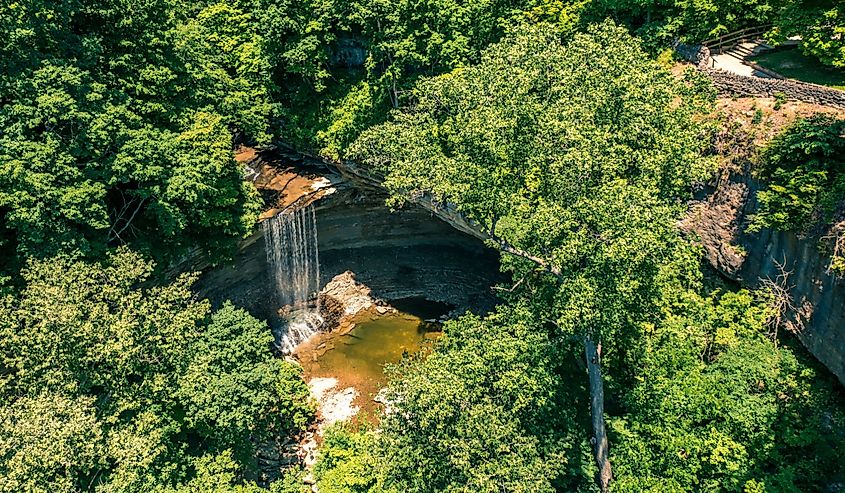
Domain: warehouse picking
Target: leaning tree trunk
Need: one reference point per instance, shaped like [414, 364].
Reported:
[599, 440]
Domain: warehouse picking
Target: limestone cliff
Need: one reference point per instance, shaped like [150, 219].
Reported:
[719, 220]
[428, 250]
[408, 253]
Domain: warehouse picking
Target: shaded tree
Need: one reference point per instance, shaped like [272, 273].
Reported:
[235, 391]
[820, 25]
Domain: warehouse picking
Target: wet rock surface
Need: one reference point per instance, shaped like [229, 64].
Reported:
[335, 403]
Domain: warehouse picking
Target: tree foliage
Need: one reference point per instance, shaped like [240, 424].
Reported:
[566, 145]
[717, 406]
[575, 164]
[49, 443]
[491, 402]
[821, 26]
[533, 146]
[233, 391]
[116, 123]
[709, 403]
[570, 157]
[804, 171]
[488, 410]
[124, 385]
[340, 65]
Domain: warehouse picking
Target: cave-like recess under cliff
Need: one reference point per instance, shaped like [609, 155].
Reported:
[406, 253]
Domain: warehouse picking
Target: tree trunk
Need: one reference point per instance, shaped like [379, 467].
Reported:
[599, 440]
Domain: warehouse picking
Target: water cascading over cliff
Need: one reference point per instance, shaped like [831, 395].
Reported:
[293, 259]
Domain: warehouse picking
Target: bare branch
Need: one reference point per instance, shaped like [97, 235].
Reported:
[541, 262]
[512, 288]
[115, 233]
[837, 234]
[780, 304]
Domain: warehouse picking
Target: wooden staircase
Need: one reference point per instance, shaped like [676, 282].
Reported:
[733, 51]
[731, 40]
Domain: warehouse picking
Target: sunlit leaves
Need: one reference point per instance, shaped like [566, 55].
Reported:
[805, 173]
[108, 382]
[576, 153]
[235, 390]
[49, 443]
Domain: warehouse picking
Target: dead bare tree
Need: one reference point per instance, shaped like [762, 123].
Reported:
[604, 475]
[837, 258]
[131, 207]
[780, 301]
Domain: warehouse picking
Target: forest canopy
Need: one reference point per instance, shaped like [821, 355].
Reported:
[128, 388]
[613, 362]
[117, 122]
[118, 116]
[575, 171]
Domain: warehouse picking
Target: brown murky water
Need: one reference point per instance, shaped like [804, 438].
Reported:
[357, 358]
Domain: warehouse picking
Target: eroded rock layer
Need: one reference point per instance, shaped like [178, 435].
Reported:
[401, 254]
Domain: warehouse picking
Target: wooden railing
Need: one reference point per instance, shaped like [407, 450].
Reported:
[729, 40]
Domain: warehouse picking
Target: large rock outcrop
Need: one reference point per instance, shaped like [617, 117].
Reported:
[430, 251]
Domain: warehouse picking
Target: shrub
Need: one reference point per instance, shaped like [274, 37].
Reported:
[804, 170]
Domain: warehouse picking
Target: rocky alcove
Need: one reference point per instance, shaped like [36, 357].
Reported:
[398, 254]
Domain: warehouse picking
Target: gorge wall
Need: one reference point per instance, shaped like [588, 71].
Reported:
[430, 251]
[409, 253]
[719, 219]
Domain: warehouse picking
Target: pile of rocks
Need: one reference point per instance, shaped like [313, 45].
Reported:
[343, 298]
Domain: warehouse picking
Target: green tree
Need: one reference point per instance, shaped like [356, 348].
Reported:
[821, 26]
[116, 126]
[223, 58]
[570, 158]
[157, 379]
[327, 103]
[488, 399]
[804, 172]
[660, 22]
[90, 329]
[349, 462]
[235, 390]
[718, 406]
[487, 410]
[49, 443]
[83, 329]
[215, 474]
[424, 38]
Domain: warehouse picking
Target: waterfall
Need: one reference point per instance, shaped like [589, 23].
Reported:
[290, 239]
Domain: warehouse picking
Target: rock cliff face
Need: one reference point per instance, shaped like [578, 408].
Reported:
[408, 253]
[430, 251]
[819, 297]
[719, 219]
